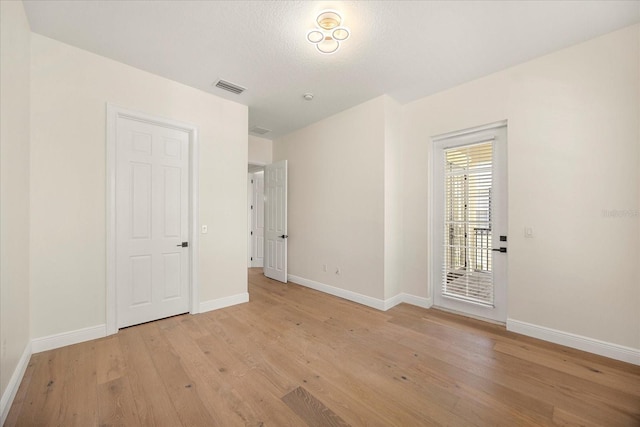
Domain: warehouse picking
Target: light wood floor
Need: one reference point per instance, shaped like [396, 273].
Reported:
[294, 356]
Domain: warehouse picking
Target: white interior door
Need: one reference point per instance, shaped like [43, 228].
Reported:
[470, 222]
[152, 220]
[257, 220]
[275, 221]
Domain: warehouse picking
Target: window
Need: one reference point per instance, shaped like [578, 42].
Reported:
[468, 177]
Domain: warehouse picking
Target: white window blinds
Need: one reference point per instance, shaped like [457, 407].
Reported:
[467, 221]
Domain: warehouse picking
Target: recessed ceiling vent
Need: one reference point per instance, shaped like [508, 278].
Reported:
[258, 130]
[230, 87]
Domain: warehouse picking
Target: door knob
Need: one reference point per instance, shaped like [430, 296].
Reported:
[183, 245]
[284, 236]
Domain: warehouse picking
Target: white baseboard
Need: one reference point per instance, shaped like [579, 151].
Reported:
[602, 348]
[393, 301]
[339, 292]
[14, 383]
[417, 301]
[68, 338]
[81, 335]
[376, 303]
[219, 303]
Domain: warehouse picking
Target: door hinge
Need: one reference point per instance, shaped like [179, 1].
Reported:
[252, 181]
[251, 258]
[252, 233]
[251, 207]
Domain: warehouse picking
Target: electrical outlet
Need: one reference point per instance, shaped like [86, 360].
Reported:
[205, 229]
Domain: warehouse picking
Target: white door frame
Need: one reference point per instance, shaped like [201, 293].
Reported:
[113, 114]
[434, 274]
[249, 218]
[249, 212]
[274, 273]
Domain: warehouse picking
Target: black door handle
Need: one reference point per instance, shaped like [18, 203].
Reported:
[284, 236]
[183, 245]
[500, 250]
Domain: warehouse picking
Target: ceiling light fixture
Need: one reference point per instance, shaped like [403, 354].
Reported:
[329, 32]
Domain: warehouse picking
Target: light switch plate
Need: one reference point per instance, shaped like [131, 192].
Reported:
[204, 229]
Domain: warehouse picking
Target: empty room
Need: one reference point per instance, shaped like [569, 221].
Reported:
[319, 213]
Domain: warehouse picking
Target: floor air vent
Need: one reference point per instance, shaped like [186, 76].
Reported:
[230, 87]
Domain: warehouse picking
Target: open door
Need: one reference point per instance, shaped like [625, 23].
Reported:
[275, 219]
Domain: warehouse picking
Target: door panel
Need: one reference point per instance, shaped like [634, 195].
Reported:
[275, 205]
[141, 200]
[171, 275]
[140, 280]
[152, 170]
[257, 220]
[171, 215]
[469, 218]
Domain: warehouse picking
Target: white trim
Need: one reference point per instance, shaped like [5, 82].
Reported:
[14, 383]
[216, 304]
[432, 280]
[254, 163]
[470, 316]
[376, 303]
[114, 112]
[591, 345]
[392, 302]
[462, 132]
[68, 338]
[194, 200]
[249, 219]
[407, 299]
[435, 196]
[339, 292]
[424, 302]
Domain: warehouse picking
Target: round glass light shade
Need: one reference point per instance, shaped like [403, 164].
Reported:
[341, 33]
[328, 19]
[315, 36]
[328, 45]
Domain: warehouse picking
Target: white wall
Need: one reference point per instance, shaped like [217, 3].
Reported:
[70, 88]
[336, 199]
[260, 150]
[573, 152]
[393, 250]
[14, 192]
[361, 176]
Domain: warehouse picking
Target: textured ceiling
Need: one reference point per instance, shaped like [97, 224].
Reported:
[405, 49]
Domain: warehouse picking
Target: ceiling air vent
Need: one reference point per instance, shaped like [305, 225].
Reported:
[258, 130]
[230, 87]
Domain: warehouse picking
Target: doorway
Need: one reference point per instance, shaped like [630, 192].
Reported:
[267, 219]
[151, 218]
[275, 218]
[255, 191]
[469, 221]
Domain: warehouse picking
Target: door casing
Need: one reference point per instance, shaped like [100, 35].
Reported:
[271, 252]
[256, 202]
[434, 269]
[113, 113]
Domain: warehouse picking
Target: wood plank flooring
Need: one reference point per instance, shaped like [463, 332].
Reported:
[295, 357]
